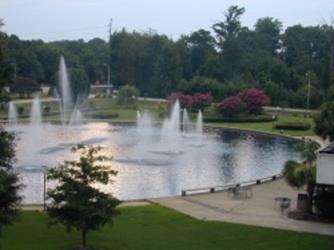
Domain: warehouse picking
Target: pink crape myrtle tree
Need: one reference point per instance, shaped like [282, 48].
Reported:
[185, 100]
[255, 99]
[231, 106]
[200, 101]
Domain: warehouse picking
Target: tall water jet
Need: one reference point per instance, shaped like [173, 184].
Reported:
[138, 117]
[12, 114]
[199, 123]
[65, 91]
[36, 112]
[174, 124]
[185, 120]
[170, 132]
[76, 117]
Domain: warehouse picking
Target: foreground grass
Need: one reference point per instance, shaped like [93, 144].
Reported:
[154, 227]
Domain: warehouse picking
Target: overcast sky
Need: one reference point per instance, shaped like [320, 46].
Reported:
[73, 19]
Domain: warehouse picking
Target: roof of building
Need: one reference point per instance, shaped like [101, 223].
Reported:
[329, 149]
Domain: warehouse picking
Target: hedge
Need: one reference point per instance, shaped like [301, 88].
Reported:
[241, 118]
[104, 115]
[293, 126]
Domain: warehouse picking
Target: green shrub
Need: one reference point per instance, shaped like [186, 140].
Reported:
[46, 109]
[241, 118]
[127, 95]
[293, 126]
[20, 110]
[104, 115]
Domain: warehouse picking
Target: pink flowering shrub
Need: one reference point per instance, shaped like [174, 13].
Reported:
[200, 101]
[254, 99]
[185, 100]
[232, 106]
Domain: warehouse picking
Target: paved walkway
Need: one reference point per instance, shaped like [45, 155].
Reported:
[123, 204]
[259, 210]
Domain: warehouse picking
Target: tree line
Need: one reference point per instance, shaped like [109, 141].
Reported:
[223, 60]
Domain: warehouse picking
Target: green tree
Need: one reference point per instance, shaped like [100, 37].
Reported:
[9, 181]
[303, 174]
[324, 122]
[5, 68]
[201, 45]
[268, 30]
[79, 83]
[231, 27]
[76, 202]
[127, 95]
[25, 86]
[227, 40]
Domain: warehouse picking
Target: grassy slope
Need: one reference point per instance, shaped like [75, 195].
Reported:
[154, 227]
[269, 126]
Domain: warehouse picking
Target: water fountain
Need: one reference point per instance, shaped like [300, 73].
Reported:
[186, 124]
[199, 123]
[36, 113]
[12, 114]
[65, 93]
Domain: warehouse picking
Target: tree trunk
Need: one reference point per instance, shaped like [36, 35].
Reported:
[310, 190]
[84, 234]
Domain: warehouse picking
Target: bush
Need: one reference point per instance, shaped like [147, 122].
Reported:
[231, 106]
[241, 118]
[254, 99]
[185, 100]
[20, 110]
[200, 84]
[200, 101]
[293, 126]
[127, 95]
[46, 109]
[104, 116]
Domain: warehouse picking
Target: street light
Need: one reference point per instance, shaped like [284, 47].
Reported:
[108, 77]
[308, 90]
[44, 170]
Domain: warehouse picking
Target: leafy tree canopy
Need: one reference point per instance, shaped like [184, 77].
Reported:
[76, 201]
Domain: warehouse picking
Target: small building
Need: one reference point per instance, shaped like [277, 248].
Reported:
[99, 89]
[325, 166]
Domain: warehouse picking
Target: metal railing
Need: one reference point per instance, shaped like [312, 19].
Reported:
[227, 186]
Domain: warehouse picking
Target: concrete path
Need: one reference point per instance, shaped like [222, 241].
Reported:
[259, 210]
[123, 204]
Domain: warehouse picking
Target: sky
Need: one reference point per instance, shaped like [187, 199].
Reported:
[73, 19]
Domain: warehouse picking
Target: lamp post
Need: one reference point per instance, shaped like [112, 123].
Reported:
[44, 170]
[308, 90]
[108, 77]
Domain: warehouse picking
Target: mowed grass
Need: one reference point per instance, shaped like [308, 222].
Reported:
[157, 228]
[270, 126]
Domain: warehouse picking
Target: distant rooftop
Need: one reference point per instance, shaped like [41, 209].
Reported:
[329, 149]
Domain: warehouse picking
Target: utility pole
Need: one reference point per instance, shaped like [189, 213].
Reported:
[109, 58]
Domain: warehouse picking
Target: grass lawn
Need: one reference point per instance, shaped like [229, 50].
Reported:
[157, 228]
[270, 126]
